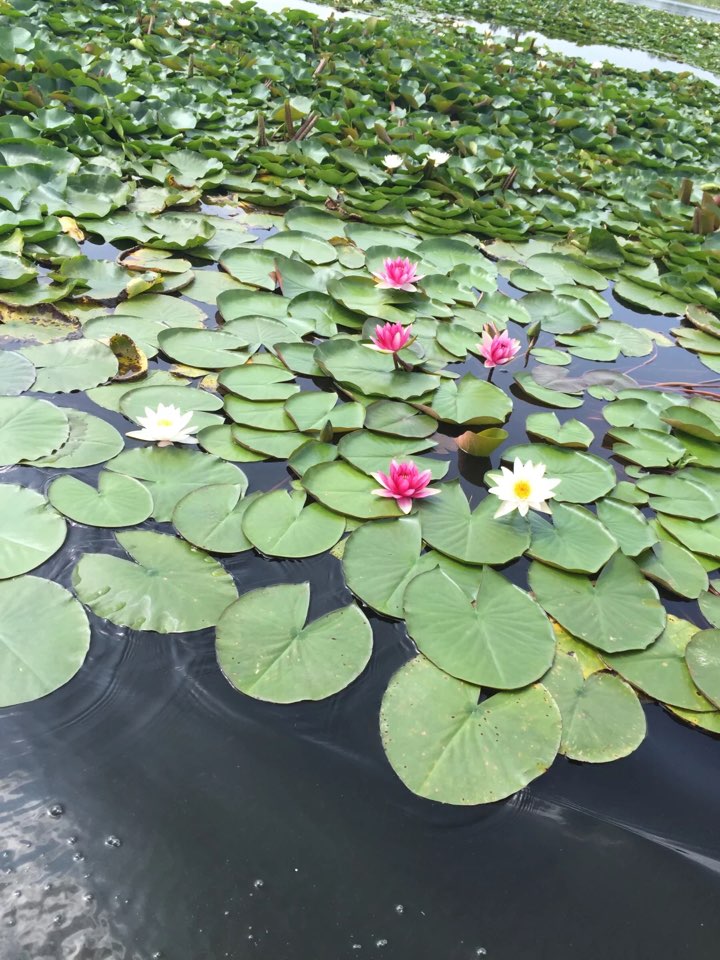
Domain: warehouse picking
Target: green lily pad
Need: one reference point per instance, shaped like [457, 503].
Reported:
[575, 540]
[218, 440]
[572, 433]
[549, 398]
[207, 349]
[702, 655]
[699, 536]
[674, 568]
[170, 473]
[627, 524]
[269, 443]
[17, 374]
[620, 611]
[398, 420]
[44, 638]
[259, 382]
[380, 560]
[266, 649]
[310, 411]
[167, 587]
[279, 524]
[30, 530]
[118, 501]
[447, 746]
[71, 365]
[472, 536]
[30, 428]
[342, 488]
[681, 496]
[660, 670]
[212, 517]
[354, 365]
[372, 452]
[602, 719]
[90, 441]
[500, 637]
[471, 401]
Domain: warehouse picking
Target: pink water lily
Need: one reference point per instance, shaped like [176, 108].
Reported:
[398, 274]
[497, 348]
[404, 483]
[390, 337]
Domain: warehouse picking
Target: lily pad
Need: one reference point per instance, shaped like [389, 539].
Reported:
[266, 649]
[572, 433]
[602, 719]
[30, 530]
[702, 655]
[583, 476]
[342, 488]
[279, 524]
[167, 587]
[44, 638]
[575, 540]
[620, 611]
[71, 365]
[499, 638]
[446, 744]
[30, 428]
[17, 374]
[212, 517]
[118, 501]
[90, 441]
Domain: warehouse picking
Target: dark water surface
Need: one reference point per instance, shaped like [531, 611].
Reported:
[149, 810]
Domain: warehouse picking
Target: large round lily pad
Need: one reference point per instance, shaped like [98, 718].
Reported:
[90, 441]
[30, 428]
[446, 745]
[71, 365]
[44, 637]
[212, 517]
[168, 586]
[30, 530]
[280, 524]
[660, 670]
[602, 717]
[265, 648]
[473, 536]
[574, 540]
[118, 501]
[499, 637]
[620, 611]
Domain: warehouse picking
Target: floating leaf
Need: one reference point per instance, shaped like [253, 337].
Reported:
[17, 374]
[345, 490]
[674, 568]
[448, 746]
[575, 540]
[71, 365]
[583, 476]
[30, 530]
[702, 655]
[170, 587]
[30, 429]
[279, 524]
[572, 433]
[44, 638]
[212, 517]
[620, 611]
[118, 501]
[602, 719]
[266, 649]
[660, 670]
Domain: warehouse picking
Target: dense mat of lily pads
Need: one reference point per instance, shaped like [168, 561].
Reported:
[673, 35]
[353, 329]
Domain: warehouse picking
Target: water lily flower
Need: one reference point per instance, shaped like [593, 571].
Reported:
[518, 49]
[392, 161]
[404, 483]
[497, 348]
[596, 65]
[523, 488]
[390, 337]
[398, 274]
[506, 63]
[165, 426]
[438, 157]
[541, 65]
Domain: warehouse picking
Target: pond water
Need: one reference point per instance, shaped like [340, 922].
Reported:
[148, 810]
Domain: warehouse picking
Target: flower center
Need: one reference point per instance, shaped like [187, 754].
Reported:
[522, 489]
[164, 423]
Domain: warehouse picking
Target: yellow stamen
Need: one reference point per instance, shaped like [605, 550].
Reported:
[522, 489]
[164, 423]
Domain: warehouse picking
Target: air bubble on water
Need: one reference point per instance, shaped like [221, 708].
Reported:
[258, 884]
[357, 946]
[113, 841]
[56, 810]
[58, 919]
[399, 908]
[156, 956]
[10, 922]
[88, 897]
[77, 857]
[17, 893]
[72, 840]
[381, 943]
[480, 952]
[48, 887]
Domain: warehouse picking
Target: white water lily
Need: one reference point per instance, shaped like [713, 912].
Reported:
[596, 65]
[506, 63]
[165, 426]
[438, 157]
[541, 65]
[523, 488]
[392, 161]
